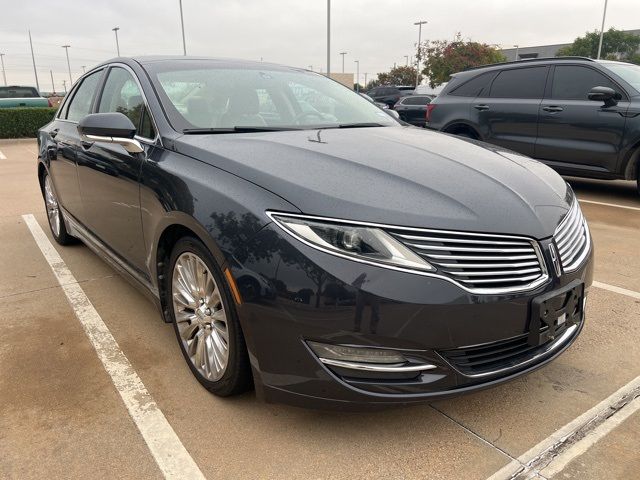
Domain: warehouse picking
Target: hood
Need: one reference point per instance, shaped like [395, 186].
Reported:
[394, 175]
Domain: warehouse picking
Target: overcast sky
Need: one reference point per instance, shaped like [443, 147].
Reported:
[293, 32]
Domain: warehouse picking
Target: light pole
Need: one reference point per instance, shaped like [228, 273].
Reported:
[115, 30]
[328, 38]
[4, 75]
[33, 59]
[406, 57]
[357, 62]
[66, 49]
[53, 85]
[420, 23]
[184, 43]
[343, 54]
[64, 85]
[516, 47]
[604, 14]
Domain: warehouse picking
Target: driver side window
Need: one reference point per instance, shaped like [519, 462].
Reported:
[121, 94]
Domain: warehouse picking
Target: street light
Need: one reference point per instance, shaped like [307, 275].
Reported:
[604, 14]
[115, 29]
[328, 38]
[406, 57]
[4, 75]
[357, 62]
[516, 47]
[66, 49]
[33, 59]
[420, 23]
[343, 54]
[184, 43]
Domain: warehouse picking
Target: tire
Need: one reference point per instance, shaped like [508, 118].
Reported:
[205, 320]
[54, 214]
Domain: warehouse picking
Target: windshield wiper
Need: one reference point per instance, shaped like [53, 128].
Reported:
[257, 128]
[359, 125]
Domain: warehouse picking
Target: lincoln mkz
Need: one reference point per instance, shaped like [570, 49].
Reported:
[305, 243]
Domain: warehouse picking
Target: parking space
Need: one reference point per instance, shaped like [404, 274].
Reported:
[62, 416]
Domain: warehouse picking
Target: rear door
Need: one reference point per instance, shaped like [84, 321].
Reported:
[508, 115]
[574, 132]
[109, 175]
[64, 142]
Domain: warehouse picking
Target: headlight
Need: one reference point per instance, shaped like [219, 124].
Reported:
[361, 243]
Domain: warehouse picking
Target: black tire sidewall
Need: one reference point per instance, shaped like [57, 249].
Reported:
[235, 375]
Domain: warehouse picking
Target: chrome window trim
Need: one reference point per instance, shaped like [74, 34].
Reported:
[544, 278]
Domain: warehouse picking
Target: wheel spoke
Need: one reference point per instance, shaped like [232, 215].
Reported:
[200, 316]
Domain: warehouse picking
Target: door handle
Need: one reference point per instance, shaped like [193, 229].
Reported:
[552, 109]
[482, 108]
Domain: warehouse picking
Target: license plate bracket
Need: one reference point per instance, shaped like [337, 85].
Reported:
[557, 310]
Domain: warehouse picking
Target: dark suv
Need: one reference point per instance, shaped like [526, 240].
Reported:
[577, 115]
[390, 94]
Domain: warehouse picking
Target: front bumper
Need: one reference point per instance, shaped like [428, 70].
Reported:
[322, 298]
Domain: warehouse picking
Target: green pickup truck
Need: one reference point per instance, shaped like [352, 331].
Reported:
[15, 96]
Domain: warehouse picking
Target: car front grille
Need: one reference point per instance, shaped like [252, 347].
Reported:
[572, 239]
[480, 263]
[504, 355]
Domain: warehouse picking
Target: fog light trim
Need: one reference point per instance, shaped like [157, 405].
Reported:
[371, 367]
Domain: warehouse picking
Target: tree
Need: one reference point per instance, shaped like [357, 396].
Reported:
[616, 45]
[444, 58]
[396, 76]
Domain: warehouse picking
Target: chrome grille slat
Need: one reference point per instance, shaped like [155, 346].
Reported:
[483, 263]
[484, 257]
[572, 238]
[488, 273]
[469, 249]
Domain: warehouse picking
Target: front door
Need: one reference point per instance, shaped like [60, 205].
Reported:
[109, 175]
[574, 132]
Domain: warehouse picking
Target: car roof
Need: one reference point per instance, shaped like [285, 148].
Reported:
[231, 62]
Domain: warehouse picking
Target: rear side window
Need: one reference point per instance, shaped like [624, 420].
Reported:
[80, 105]
[475, 87]
[520, 83]
[573, 82]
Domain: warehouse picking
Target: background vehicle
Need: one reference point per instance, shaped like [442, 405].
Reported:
[413, 109]
[384, 106]
[389, 94]
[16, 96]
[577, 115]
[330, 257]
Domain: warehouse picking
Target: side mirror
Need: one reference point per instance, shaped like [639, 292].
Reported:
[606, 95]
[110, 128]
[393, 113]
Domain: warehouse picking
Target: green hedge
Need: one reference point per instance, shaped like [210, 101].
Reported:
[24, 122]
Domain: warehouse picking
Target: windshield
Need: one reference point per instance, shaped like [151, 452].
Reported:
[209, 96]
[629, 73]
[18, 92]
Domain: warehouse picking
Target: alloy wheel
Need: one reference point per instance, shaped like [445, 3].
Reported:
[200, 316]
[53, 211]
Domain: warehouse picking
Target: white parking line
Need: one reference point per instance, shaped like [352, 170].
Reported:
[613, 288]
[2, 157]
[560, 462]
[525, 464]
[168, 451]
[609, 204]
